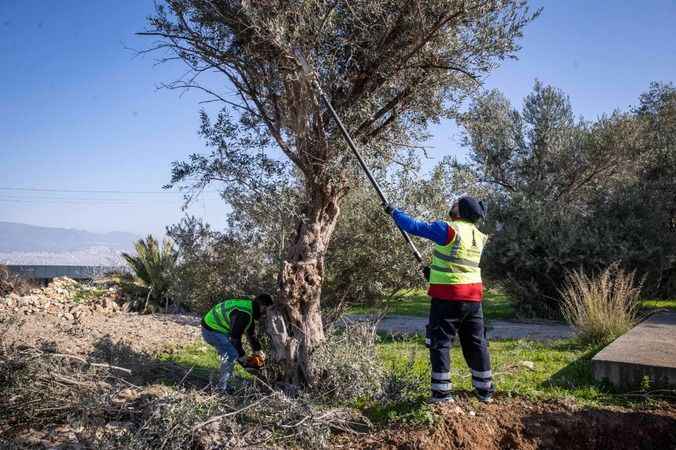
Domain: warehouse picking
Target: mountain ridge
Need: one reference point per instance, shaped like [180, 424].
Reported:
[23, 238]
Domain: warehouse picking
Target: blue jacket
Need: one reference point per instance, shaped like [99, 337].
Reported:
[437, 231]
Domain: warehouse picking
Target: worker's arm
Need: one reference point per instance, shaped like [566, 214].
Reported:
[253, 339]
[437, 231]
[238, 322]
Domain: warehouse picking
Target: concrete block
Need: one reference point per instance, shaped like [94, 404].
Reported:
[648, 349]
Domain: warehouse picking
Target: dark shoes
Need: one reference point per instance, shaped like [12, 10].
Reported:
[441, 398]
[484, 396]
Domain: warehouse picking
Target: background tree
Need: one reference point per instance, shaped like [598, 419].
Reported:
[391, 67]
[573, 195]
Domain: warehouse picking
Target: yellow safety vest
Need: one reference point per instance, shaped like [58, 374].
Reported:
[218, 317]
[458, 261]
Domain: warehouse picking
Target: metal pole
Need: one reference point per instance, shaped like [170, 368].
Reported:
[352, 146]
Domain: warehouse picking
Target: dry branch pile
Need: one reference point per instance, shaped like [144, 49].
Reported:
[50, 399]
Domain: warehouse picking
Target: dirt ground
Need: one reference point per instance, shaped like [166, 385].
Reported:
[55, 317]
[528, 425]
[147, 333]
[509, 423]
[142, 333]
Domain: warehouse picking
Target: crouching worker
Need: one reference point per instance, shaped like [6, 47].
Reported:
[223, 327]
[456, 289]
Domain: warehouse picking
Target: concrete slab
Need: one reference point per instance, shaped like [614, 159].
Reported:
[648, 349]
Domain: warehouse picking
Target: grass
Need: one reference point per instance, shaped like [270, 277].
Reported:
[659, 304]
[496, 305]
[83, 295]
[201, 357]
[560, 370]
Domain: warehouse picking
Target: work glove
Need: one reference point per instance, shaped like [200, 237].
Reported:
[426, 272]
[388, 208]
[255, 361]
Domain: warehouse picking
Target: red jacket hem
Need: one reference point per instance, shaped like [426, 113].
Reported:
[472, 292]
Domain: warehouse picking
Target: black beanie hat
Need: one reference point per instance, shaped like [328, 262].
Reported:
[471, 209]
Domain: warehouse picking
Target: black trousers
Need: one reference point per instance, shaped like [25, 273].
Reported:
[466, 320]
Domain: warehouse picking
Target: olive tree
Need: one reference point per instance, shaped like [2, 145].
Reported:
[391, 68]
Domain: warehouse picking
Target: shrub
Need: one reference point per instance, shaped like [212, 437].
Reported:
[153, 266]
[13, 284]
[348, 364]
[601, 307]
[213, 265]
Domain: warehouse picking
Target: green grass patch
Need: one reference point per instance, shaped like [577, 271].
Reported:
[560, 369]
[545, 370]
[83, 295]
[496, 305]
[659, 304]
[202, 358]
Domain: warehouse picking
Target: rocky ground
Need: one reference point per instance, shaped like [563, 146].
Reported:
[70, 317]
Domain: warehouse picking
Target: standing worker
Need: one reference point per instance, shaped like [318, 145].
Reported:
[223, 327]
[456, 290]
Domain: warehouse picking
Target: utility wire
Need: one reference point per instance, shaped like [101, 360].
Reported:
[77, 191]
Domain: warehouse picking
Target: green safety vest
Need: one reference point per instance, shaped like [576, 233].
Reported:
[458, 261]
[218, 317]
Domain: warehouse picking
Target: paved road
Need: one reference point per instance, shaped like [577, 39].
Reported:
[497, 329]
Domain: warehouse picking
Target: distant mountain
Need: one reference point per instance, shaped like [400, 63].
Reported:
[29, 244]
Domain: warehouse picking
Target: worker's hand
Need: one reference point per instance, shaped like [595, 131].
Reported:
[388, 208]
[426, 272]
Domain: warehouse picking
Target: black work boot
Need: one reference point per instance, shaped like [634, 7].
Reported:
[441, 397]
[485, 396]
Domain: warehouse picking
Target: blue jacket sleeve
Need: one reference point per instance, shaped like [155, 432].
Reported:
[435, 231]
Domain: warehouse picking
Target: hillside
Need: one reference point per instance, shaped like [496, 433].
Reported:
[30, 244]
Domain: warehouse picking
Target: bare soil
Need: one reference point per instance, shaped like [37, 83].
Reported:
[143, 333]
[509, 423]
[72, 318]
[525, 424]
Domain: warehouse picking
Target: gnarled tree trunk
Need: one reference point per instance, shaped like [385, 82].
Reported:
[294, 322]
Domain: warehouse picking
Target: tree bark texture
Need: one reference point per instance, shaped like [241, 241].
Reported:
[294, 322]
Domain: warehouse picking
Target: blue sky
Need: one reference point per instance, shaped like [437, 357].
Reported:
[80, 112]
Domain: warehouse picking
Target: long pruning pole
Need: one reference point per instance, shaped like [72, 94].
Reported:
[352, 146]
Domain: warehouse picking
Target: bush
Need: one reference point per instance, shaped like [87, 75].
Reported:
[348, 364]
[13, 284]
[214, 265]
[602, 307]
[153, 266]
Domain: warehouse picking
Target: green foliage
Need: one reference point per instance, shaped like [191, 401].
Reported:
[213, 265]
[153, 266]
[570, 195]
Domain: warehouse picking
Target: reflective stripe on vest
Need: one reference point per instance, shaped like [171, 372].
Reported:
[218, 317]
[458, 261]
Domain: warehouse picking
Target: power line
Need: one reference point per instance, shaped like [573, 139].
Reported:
[77, 191]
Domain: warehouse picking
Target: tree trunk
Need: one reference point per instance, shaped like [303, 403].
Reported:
[294, 322]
